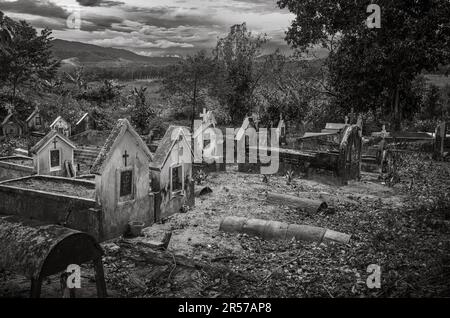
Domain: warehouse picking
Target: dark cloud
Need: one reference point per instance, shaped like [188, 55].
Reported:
[99, 3]
[39, 8]
[99, 22]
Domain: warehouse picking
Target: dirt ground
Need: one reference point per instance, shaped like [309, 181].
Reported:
[385, 230]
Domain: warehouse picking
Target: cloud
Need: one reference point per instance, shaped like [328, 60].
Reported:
[43, 8]
[99, 3]
[137, 43]
[156, 27]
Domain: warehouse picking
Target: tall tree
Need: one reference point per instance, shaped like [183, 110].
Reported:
[142, 113]
[26, 58]
[237, 56]
[189, 80]
[371, 68]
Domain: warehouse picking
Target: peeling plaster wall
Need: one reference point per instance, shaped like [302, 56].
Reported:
[42, 158]
[76, 213]
[117, 214]
[167, 203]
[10, 171]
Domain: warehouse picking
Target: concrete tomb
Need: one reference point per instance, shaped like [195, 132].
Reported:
[62, 126]
[54, 155]
[171, 173]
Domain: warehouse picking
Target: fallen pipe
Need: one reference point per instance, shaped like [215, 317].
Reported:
[274, 230]
[308, 205]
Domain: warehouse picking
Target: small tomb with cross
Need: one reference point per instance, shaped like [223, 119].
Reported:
[171, 173]
[62, 126]
[53, 155]
[208, 143]
[122, 180]
[11, 125]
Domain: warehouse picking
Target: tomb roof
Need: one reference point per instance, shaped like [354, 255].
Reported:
[11, 117]
[56, 120]
[248, 122]
[166, 144]
[35, 111]
[81, 119]
[47, 139]
[118, 131]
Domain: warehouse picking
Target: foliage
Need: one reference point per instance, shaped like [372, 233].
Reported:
[188, 81]
[239, 71]
[27, 59]
[371, 68]
[141, 112]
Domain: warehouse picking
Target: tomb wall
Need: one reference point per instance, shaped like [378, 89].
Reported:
[117, 213]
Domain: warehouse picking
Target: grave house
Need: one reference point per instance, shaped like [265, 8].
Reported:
[85, 123]
[62, 126]
[281, 131]
[12, 126]
[247, 140]
[122, 180]
[35, 121]
[171, 173]
[212, 147]
[54, 155]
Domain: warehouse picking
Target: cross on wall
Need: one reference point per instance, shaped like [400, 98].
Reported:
[125, 157]
[54, 142]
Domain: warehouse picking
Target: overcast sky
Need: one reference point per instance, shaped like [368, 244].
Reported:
[153, 27]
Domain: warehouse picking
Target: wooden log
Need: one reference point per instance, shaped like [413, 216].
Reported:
[308, 205]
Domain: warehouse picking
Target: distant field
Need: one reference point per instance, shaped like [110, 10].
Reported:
[438, 80]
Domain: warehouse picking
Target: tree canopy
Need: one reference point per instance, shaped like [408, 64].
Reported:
[372, 68]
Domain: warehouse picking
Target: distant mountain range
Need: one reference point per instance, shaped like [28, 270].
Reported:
[77, 53]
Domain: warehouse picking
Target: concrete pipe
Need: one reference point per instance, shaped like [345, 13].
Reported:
[274, 230]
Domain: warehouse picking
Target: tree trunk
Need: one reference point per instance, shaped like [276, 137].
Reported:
[308, 205]
[397, 120]
[194, 102]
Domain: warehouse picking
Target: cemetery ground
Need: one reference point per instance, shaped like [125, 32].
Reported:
[403, 228]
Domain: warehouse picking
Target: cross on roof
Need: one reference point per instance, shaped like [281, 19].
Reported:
[204, 114]
[54, 142]
[125, 157]
[346, 120]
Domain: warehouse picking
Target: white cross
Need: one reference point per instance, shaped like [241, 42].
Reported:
[346, 120]
[204, 114]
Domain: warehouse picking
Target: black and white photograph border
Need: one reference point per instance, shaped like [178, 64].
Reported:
[230, 149]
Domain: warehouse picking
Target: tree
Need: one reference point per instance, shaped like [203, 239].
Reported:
[189, 79]
[372, 68]
[433, 106]
[26, 58]
[237, 58]
[141, 113]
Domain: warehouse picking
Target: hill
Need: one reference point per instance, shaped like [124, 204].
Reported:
[74, 53]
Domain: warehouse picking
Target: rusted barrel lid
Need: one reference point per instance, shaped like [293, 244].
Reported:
[35, 249]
